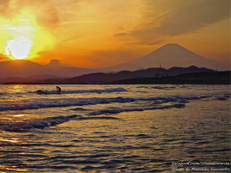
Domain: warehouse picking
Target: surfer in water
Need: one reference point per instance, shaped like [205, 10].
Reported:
[58, 89]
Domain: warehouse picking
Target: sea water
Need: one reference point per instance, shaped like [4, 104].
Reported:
[115, 128]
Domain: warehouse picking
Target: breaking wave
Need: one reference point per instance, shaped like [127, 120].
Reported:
[35, 123]
[27, 125]
[160, 87]
[67, 102]
[51, 103]
[120, 110]
[81, 91]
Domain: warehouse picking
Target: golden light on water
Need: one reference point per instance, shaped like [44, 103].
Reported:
[16, 88]
[22, 37]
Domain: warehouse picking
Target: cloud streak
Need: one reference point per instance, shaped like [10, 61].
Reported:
[177, 19]
[194, 17]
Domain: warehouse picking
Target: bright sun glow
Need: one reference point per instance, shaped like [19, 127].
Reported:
[22, 37]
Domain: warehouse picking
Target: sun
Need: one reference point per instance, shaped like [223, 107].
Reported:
[19, 48]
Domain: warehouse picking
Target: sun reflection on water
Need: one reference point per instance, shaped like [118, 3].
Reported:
[11, 140]
[15, 89]
[19, 115]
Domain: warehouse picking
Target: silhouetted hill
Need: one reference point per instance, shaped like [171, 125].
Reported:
[67, 71]
[31, 79]
[21, 68]
[168, 56]
[32, 71]
[188, 78]
[97, 78]
[105, 78]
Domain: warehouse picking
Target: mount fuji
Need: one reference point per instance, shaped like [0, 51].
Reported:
[167, 56]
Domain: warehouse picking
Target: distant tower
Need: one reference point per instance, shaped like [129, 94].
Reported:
[160, 65]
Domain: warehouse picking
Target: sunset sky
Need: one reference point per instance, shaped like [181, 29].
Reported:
[100, 33]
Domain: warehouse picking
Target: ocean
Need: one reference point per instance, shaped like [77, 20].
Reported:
[115, 128]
